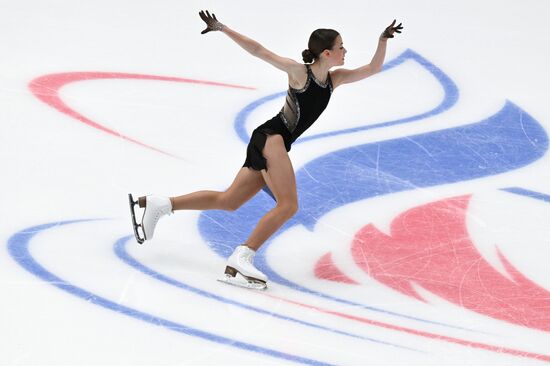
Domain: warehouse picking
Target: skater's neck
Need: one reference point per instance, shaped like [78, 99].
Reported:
[320, 69]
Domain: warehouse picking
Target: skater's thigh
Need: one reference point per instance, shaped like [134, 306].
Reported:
[279, 175]
[246, 184]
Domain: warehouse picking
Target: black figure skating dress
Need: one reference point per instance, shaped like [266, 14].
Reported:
[302, 108]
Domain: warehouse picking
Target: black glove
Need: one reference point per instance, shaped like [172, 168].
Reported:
[388, 32]
[212, 23]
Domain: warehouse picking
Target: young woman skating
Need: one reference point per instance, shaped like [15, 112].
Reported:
[267, 162]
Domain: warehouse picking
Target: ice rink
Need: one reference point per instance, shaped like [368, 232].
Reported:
[423, 235]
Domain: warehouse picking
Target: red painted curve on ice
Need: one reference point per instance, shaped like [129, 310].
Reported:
[47, 87]
[462, 342]
[430, 246]
[327, 270]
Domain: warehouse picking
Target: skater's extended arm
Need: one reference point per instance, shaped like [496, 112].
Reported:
[251, 46]
[345, 76]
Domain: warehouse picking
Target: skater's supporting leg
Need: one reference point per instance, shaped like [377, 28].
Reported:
[281, 181]
[246, 184]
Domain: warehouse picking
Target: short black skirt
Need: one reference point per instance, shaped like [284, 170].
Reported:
[254, 151]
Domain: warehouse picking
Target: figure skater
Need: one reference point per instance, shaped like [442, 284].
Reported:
[267, 162]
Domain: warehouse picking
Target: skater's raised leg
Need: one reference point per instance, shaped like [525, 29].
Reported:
[245, 185]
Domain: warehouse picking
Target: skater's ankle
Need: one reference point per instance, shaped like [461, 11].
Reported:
[251, 247]
[171, 204]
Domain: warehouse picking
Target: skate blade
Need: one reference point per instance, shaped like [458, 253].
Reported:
[242, 282]
[140, 239]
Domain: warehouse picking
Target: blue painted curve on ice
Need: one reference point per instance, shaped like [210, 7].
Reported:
[450, 97]
[506, 141]
[122, 253]
[223, 233]
[18, 247]
[528, 193]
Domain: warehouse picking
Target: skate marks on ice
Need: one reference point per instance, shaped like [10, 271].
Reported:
[504, 142]
[122, 253]
[430, 246]
[452, 163]
[384, 174]
[19, 249]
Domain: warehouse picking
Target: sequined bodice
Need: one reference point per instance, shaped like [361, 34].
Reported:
[304, 106]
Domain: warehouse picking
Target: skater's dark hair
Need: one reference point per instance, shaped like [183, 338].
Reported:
[320, 40]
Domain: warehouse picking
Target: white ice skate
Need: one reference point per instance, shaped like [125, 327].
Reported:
[154, 208]
[240, 270]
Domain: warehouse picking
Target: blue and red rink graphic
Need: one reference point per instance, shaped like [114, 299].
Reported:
[432, 237]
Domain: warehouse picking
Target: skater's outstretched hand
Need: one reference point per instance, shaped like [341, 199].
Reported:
[212, 24]
[391, 29]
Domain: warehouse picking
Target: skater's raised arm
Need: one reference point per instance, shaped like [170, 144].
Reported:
[251, 46]
[345, 76]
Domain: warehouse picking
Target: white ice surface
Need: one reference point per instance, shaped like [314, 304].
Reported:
[55, 168]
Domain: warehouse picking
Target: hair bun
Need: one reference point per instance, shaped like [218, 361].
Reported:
[307, 56]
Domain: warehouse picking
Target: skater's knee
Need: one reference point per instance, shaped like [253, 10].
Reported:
[232, 207]
[287, 208]
[228, 203]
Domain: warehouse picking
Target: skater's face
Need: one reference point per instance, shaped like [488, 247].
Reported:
[339, 50]
[336, 55]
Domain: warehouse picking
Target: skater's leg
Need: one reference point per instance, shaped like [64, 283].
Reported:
[281, 181]
[245, 185]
